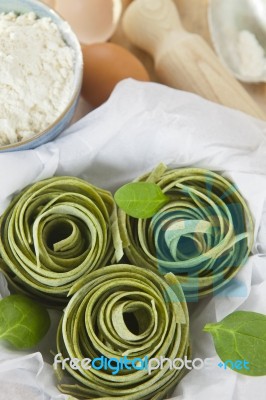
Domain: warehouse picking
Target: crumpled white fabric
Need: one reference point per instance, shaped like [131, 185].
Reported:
[141, 125]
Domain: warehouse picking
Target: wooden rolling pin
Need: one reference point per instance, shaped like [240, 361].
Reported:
[183, 60]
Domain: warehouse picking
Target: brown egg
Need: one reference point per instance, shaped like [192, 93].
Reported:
[105, 64]
[93, 21]
[50, 3]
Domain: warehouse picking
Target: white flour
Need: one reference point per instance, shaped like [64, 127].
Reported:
[36, 75]
[252, 55]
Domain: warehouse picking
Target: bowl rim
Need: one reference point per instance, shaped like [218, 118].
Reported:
[76, 90]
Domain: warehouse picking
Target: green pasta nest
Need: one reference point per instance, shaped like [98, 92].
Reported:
[55, 232]
[96, 323]
[203, 235]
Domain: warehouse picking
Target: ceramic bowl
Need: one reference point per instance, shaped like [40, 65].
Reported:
[233, 23]
[42, 10]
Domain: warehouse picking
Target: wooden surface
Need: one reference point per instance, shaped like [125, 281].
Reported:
[193, 14]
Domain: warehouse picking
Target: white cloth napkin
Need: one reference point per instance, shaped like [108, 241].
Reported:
[141, 125]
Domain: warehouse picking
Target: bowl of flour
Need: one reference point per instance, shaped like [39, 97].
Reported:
[41, 68]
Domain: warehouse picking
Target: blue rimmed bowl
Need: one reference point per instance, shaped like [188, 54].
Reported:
[42, 10]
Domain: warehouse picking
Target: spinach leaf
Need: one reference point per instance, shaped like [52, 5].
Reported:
[241, 336]
[23, 322]
[140, 199]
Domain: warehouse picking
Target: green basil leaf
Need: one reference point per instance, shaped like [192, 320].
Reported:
[140, 199]
[241, 336]
[23, 323]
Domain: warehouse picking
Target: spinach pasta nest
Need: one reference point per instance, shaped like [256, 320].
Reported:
[128, 313]
[54, 232]
[203, 235]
